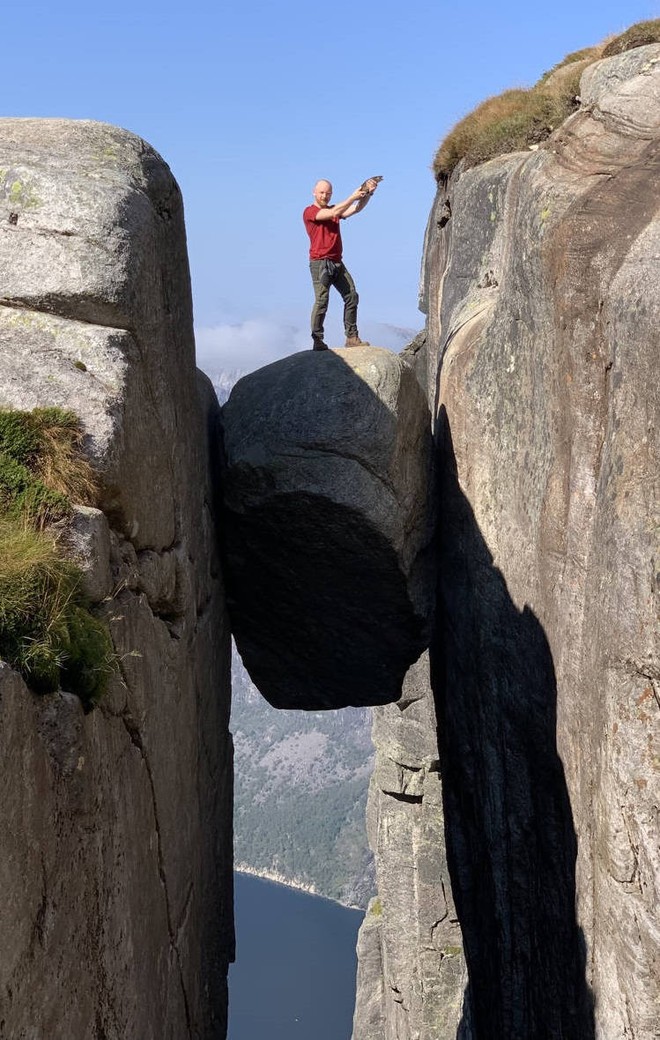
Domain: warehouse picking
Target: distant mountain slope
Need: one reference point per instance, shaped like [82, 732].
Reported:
[223, 383]
[301, 782]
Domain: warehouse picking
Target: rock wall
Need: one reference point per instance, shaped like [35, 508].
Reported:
[411, 968]
[540, 285]
[115, 850]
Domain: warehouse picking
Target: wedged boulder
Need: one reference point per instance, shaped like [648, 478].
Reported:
[326, 527]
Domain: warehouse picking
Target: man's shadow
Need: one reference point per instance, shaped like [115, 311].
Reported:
[511, 844]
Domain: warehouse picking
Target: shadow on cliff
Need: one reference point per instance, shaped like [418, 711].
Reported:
[511, 843]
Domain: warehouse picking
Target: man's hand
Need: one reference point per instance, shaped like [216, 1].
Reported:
[369, 186]
[360, 197]
[355, 202]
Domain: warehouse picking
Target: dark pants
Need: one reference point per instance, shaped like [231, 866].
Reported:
[345, 286]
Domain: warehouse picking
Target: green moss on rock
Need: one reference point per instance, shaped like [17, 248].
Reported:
[47, 630]
[376, 907]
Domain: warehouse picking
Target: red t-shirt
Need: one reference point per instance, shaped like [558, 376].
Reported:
[324, 235]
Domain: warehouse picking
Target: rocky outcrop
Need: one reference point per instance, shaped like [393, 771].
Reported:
[411, 972]
[540, 283]
[547, 398]
[326, 466]
[115, 860]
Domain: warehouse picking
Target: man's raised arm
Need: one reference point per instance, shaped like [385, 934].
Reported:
[338, 211]
[365, 195]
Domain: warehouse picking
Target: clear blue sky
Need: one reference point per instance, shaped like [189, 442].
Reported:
[250, 102]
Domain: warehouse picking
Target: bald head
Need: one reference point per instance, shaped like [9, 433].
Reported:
[322, 193]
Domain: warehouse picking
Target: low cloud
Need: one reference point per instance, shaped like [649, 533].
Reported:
[246, 345]
[235, 348]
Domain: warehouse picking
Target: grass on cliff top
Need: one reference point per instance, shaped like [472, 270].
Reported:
[516, 119]
[636, 36]
[47, 631]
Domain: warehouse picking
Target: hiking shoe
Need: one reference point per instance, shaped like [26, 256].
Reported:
[320, 345]
[355, 341]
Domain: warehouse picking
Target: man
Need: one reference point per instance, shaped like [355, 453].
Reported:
[325, 258]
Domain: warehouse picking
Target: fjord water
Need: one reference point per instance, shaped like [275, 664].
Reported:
[294, 977]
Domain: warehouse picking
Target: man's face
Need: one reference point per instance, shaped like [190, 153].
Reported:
[323, 193]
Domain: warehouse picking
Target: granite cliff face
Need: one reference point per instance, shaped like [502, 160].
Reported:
[541, 289]
[115, 858]
[411, 973]
[538, 703]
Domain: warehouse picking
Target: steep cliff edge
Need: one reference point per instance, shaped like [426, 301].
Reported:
[541, 351]
[115, 858]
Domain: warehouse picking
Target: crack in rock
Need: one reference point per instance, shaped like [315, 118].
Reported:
[136, 738]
